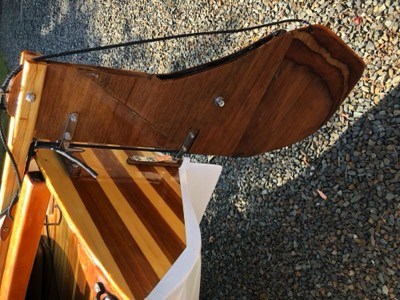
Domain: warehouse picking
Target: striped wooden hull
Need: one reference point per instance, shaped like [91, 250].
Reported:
[124, 229]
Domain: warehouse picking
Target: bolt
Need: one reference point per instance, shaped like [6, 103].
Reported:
[73, 117]
[219, 101]
[67, 136]
[30, 97]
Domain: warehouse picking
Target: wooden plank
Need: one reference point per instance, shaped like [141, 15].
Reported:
[20, 136]
[24, 237]
[22, 125]
[158, 111]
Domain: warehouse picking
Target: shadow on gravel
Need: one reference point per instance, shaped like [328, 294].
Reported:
[49, 27]
[297, 245]
[44, 27]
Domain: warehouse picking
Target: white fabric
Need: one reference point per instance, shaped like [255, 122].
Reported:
[182, 281]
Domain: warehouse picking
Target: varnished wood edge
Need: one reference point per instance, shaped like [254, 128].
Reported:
[21, 126]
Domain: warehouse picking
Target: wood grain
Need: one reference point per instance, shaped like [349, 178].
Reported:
[275, 95]
[73, 270]
[21, 127]
[126, 240]
[321, 71]
[20, 136]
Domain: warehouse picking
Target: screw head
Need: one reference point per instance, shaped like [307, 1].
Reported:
[67, 136]
[73, 117]
[30, 97]
[219, 101]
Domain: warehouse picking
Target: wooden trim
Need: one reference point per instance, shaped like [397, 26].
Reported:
[21, 127]
[24, 238]
[20, 136]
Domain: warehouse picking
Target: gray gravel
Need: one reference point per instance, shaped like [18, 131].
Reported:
[267, 233]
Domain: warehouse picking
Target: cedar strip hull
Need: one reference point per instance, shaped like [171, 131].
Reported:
[111, 231]
[275, 95]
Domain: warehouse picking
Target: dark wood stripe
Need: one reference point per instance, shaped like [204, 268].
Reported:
[127, 254]
[160, 230]
[170, 197]
[174, 173]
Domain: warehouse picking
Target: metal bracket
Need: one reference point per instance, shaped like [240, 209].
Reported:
[69, 131]
[72, 167]
[187, 144]
[159, 159]
[71, 163]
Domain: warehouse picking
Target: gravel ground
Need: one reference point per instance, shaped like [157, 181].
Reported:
[268, 232]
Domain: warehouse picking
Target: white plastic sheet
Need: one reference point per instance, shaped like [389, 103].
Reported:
[182, 281]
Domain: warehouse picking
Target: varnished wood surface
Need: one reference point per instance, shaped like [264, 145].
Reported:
[128, 222]
[24, 239]
[19, 138]
[74, 272]
[274, 95]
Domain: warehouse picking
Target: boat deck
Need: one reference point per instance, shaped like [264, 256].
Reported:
[129, 218]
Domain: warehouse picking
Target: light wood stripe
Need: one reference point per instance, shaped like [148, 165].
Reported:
[148, 245]
[171, 198]
[153, 197]
[169, 179]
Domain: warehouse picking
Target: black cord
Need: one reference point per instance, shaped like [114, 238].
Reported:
[138, 42]
[5, 86]
[7, 210]
[166, 38]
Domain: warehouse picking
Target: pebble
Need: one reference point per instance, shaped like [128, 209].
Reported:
[277, 239]
[385, 290]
